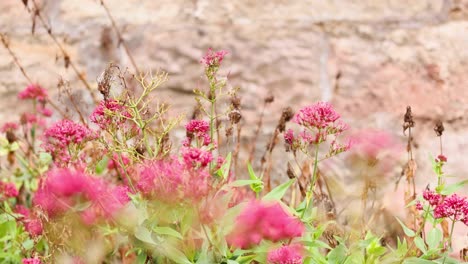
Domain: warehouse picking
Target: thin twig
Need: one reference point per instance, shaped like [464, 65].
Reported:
[66, 56]
[119, 35]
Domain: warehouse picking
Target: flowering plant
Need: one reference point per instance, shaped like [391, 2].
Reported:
[111, 189]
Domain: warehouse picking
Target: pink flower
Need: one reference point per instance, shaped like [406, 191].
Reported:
[33, 91]
[261, 220]
[33, 226]
[432, 197]
[170, 180]
[62, 189]
[61, 135]
[288, 254]
[22, 210]
[9, 126]
[213, 59]
[320, 115]
[196, 158]
[44, 111]
[31, 261]
[454, 207]
[110, 112]
[441, 158]
[419, 206]
[114, 163]
[8, 189]
[371, 143]
[289, 136]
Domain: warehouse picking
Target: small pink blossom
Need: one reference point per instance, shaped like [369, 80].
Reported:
[62, 189]
[170, 180]
[261, 220]
[23, 211]
[213, 59]
[8, 189]
[9, 126]
[33, 226]
[320, 115]
[33, 91]
[441, 158]
[196, 157]
[454, 207]
[31, 261]
[432, 197]
[288, 254]
[289, 136]
[110, 113]
[45, 111]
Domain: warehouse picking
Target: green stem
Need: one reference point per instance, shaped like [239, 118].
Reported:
[309, 195]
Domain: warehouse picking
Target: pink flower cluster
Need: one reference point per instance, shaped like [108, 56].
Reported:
[454, 206]
[63, 189]
[170, 180]
[32, 223]
[318, 121]
[198, 130]
[213, 59]
[196, 157]
[369, 144]
[260, 220]
[61, 135]
[320, 115]
[33, 91]
[110, 113]
[288, 254]
[8, 190]
[31, 261]
[9, 126]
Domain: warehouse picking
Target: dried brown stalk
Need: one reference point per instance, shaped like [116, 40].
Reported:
[66, 56]
[120, 37]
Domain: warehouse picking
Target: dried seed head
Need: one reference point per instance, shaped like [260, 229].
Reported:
[286, 116]
[269, 99]
[235, 102]
[408, 119]
[235, 116]
[290, 172]
[105, 80]
[439, 128]
[229, 131]
[10, 136]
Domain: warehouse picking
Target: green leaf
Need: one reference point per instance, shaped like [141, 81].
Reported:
[28, 244]
[337, 255]
[278, 192]
[414, 260]
[239, 183]
[419, 242]
[317, 244]
[407, 231]
[143, 234]
[258, 186]
[175, 255]
[141, 259]
[101, 166]
[448, 190]
[165, 230]
[224, 170]
[433, 238]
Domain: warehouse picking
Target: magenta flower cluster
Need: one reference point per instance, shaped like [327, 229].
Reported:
[260, 220]
[61, 135]
[318, 121]
[31, 222]
[8, 190]
[288, 254]
[33, 92]
[172, 181]
[31, 261]
[110, 113]
[63, 189]
[454, 207]
[212, 58]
